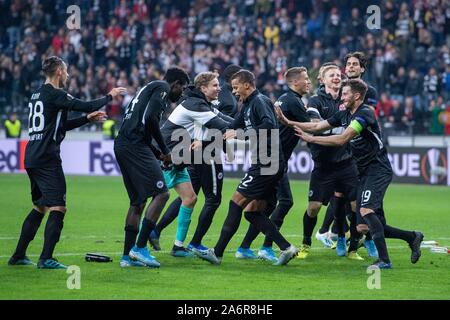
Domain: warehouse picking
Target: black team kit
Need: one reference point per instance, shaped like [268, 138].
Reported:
[294, 109]
[48, 123]
[205, 176]
[257, 113]
[140, 167]
[375, 174]
[334, 170]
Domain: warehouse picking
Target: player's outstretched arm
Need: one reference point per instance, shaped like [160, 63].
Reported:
[65, 100]
[96, 116]
[311, 127]
[223, 116]
[329, 141]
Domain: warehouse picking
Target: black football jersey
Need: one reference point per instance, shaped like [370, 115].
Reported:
[368, 145]
[142, 116]
[47, 123]
[294, 109]
[258, 113]
[321, 107]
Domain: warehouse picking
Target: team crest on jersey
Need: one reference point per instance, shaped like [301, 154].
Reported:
[342, 107]
[160, 184]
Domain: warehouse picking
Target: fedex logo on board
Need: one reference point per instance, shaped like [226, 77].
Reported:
[12, 153]
[102, 159]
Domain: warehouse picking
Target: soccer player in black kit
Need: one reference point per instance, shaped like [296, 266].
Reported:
[375, 172]
[293, 107]
[139, 164]
[334, 168]
[48, 123]
[195, 111]
[257, 114]
[355, 66]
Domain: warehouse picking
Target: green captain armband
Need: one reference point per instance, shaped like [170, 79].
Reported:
[355, 125]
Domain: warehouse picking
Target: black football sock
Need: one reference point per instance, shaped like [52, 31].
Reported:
[146, 227]
[376, 227]
[348, 212]
[369, 236]
[308, 228]
[334, 227]
[131, 233]
[53, 228]
[170, 215]
[29, 228]
[338, 206]
[394, 233]
[204, 222]
[328, 219]
[278, 218]
[354, 234]
[229, 228]
[266, 226]
[250, 236]
[253, 231]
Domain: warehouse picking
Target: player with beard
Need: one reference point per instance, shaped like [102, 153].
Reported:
[334, 169]
[362, 133]
[48, 123]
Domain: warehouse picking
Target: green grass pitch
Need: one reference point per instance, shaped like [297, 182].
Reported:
[94, 223]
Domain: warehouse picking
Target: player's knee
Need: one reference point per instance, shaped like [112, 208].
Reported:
[137, 209]
[189, 200]
[313, 209]
[365, 211]
[252, 206]
[362, 228]
[237, 197]
[163, 197]
[213, 203]
[61, 209]
[240, 200]
[40, 209]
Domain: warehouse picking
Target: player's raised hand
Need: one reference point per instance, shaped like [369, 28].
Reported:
[195, 145]
[116, 91]
[166, 159]
[229, 134]
[281, 117]
[97, 116]
[303, 135]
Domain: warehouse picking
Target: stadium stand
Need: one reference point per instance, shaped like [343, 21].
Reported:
[128, 43]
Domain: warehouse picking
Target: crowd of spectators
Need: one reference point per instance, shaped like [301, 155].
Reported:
[129, 43]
